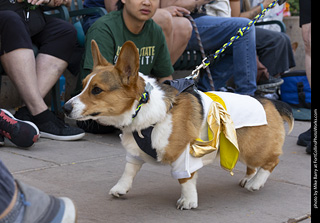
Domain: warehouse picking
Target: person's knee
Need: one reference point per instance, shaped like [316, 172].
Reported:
[184, 26]
[11, 19]
[70, 31]
[164, 19]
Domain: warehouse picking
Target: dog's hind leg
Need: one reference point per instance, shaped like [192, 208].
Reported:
[261, 177]
[189, 195]
[251, 172]
[125, 182]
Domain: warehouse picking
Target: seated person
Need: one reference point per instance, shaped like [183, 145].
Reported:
[273, 48]
[175, 27]
[132, 22]
[35, 76]
[238, 61]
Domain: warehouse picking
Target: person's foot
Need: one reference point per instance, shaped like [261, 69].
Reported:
[21, 133]
[270, 83]
[304, 138]
[308, 149]
[31, 205]
[50, 126]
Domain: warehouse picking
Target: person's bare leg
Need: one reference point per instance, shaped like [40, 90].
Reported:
[182, 30]
[306, 35]
[20, 66]
[49, 69]
[164, 19]
[177, 31]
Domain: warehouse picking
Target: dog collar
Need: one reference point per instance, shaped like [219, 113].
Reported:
[143, 99]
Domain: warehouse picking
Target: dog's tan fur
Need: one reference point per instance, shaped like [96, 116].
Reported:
[186, 116]
[260, 146]
[115, 82]
[121, 86]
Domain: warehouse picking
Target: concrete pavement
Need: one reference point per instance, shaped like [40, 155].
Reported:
[86, 170]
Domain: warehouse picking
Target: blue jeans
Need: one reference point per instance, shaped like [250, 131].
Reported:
[7, 187]
[238, 61]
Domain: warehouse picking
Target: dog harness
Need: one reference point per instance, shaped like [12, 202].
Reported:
[145, 143]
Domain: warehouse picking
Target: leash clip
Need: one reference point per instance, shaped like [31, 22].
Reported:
[204, 64]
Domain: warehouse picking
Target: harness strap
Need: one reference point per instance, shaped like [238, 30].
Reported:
[145, 143]
[143, 140]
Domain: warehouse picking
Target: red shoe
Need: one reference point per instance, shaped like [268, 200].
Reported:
[21, 133]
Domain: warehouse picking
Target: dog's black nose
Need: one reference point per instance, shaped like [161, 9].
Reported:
[67, 108]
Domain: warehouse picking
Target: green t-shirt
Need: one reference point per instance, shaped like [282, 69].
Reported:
[110, 33]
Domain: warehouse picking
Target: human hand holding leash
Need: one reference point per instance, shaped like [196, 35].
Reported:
[177, 11]
[52, 3]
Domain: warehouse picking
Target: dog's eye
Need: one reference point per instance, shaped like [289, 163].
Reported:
[96, 90]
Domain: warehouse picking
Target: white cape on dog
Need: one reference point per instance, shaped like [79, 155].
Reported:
[243, 109]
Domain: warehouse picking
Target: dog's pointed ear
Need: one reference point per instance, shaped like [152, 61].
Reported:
[98, 59]
[128, 62]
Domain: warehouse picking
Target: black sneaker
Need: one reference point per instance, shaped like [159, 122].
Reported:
[52, 127]
[304, 138]
[24, 114]
[308, 148]
[270, 83]
[21, 133]
[1, 140]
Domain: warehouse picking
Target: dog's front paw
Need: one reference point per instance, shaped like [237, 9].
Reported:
[118, 190]
[184, 203]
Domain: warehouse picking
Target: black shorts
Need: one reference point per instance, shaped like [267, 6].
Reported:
[305, 11]
[56, 38]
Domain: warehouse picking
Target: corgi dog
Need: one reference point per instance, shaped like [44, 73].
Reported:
[170, 121]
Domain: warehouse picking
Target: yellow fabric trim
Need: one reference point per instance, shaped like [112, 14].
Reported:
[229, 153]
[220, 131]
[216, 98]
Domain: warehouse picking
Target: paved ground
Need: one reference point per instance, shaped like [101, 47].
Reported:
[86, 170]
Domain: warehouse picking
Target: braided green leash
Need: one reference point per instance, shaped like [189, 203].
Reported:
[206, 61]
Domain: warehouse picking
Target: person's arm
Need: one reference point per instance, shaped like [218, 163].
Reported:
[50, 3]
[187, 4]
[177, 11]
[110, 5]
[235, 9]
[162, 79]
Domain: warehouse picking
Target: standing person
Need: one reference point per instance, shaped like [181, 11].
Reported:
[22, 24]
[305, 24]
